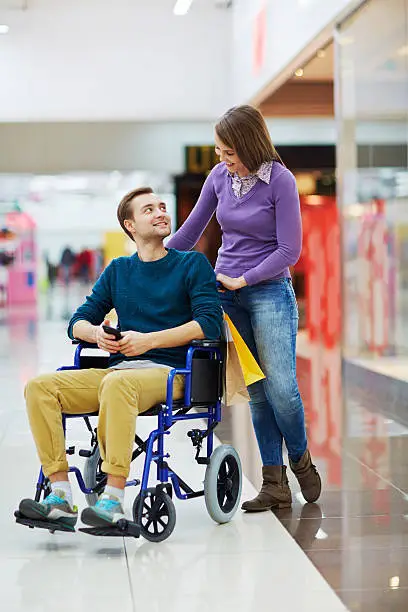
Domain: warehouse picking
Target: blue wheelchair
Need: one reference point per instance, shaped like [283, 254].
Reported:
[154, 514]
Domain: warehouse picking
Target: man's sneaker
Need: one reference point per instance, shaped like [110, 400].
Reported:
[53, 508]
[106, 512]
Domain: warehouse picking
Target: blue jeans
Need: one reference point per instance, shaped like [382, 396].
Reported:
[266, 316]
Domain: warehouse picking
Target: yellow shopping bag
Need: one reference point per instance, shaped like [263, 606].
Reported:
[242, 369]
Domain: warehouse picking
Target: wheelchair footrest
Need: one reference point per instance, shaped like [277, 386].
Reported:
[50, 525]
[122, 529]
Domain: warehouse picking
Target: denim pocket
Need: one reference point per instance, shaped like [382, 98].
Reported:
[263, 295]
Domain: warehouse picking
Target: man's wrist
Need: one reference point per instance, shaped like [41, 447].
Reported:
[242, 282]
[83, 330]
[94, 332]
[153, 340]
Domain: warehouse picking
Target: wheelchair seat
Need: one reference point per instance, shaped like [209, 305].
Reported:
[206, 375]
[154, 410]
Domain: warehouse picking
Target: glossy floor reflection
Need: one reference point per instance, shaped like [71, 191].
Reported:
[357, 533]
[249, 564]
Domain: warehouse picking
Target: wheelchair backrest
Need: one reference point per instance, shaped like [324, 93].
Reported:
[206, 379]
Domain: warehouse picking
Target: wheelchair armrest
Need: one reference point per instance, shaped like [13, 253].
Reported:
[207, 343]
[85, 344]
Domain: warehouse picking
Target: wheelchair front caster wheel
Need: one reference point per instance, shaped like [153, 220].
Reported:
[158, 515]
[223, 483]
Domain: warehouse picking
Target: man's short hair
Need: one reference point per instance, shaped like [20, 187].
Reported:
[125, 210]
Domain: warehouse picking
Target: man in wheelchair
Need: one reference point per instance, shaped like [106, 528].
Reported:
[164, 300]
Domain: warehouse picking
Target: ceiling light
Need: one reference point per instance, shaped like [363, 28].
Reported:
[4, 29]
[299, 72]
[321, 53]
[182, 7]
[394, 582]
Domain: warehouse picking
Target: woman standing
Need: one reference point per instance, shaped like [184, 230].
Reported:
[256, 202]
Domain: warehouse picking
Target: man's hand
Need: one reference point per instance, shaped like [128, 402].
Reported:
[105, 341]
[134, 343]
[231, 283]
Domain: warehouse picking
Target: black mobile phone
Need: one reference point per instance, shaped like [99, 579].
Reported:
[113, 331]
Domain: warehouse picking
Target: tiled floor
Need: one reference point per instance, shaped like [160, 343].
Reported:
[357, 534]
[251, 563]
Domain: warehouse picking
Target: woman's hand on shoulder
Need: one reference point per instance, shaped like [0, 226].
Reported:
[231, 283]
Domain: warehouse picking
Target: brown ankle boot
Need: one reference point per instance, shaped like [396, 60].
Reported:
[308, 477]
[275, 492]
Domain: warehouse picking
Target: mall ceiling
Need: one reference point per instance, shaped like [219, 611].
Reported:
[371, 66]
[309, 92]
[320, 67]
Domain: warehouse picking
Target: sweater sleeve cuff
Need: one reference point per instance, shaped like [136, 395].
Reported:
[70, 330]
[210, 329]
[250, 277]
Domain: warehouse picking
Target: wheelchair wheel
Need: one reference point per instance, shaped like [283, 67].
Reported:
[93, 475]
[158, 515]
[223, 483]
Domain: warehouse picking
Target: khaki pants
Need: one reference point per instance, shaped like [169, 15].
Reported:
[119, 395]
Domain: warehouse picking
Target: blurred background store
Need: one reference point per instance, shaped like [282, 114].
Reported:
[97, 98]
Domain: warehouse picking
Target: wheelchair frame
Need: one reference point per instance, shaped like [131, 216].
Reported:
[198, 393]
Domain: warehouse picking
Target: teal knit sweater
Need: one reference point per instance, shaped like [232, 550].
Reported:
[153, 296]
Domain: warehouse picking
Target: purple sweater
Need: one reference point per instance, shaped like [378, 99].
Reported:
[261, 232]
